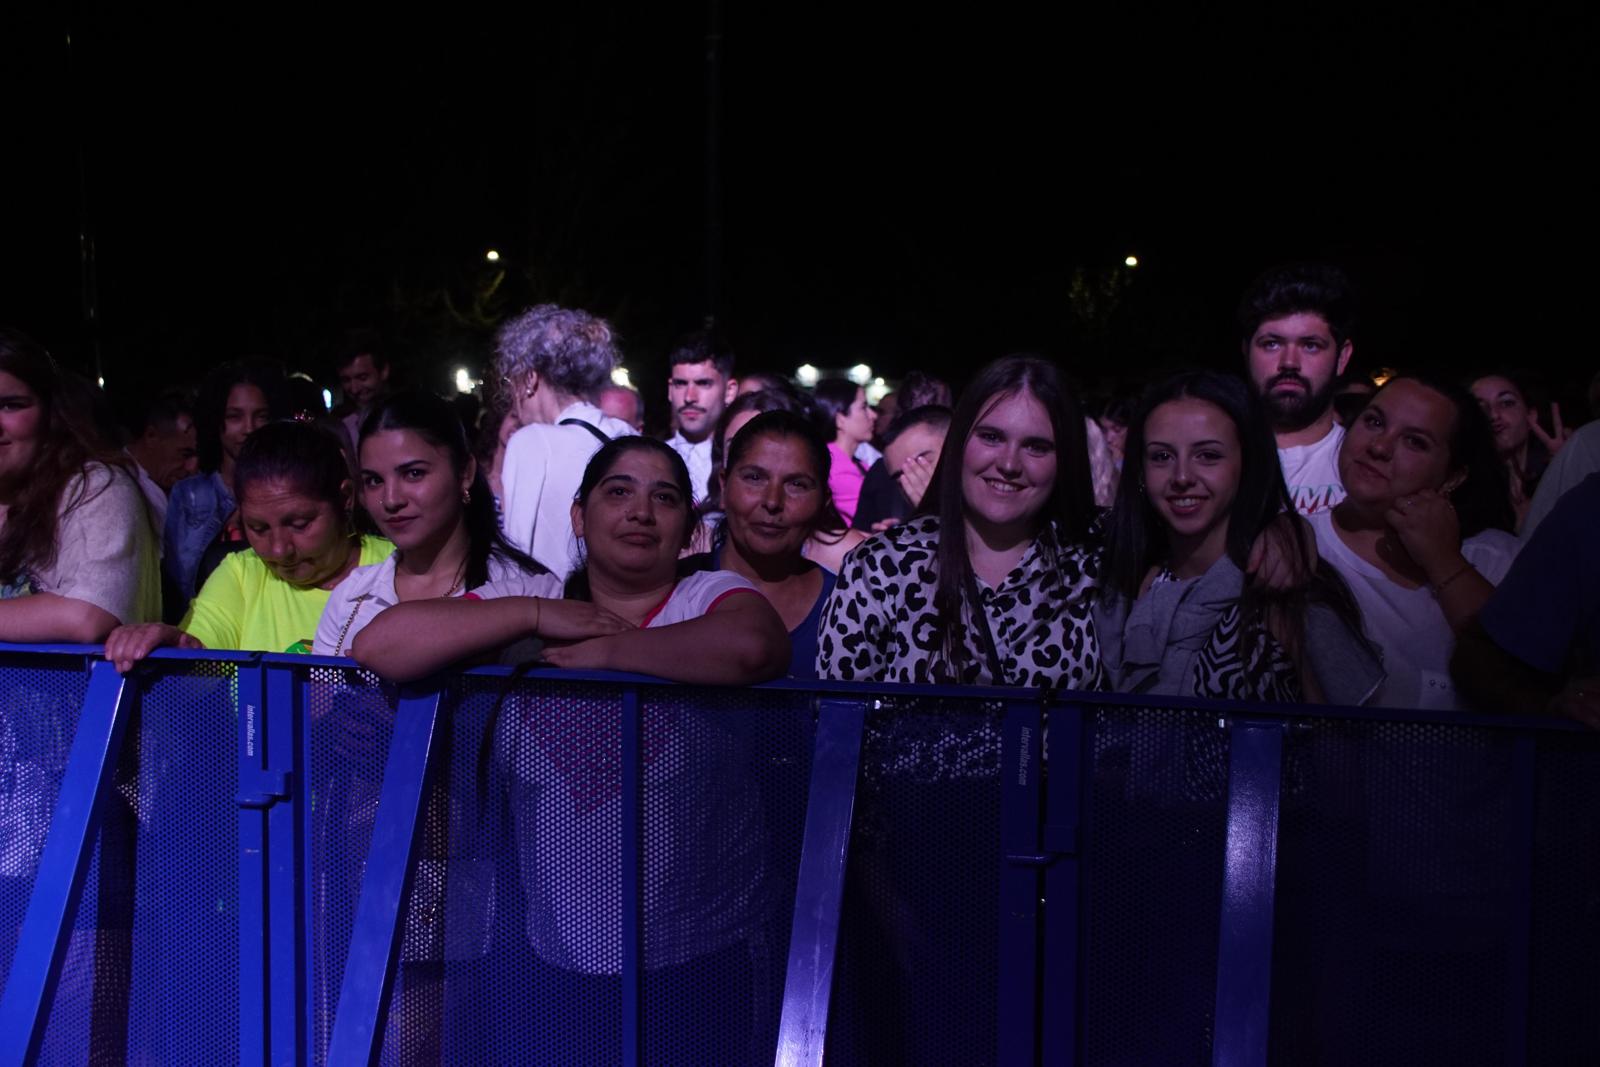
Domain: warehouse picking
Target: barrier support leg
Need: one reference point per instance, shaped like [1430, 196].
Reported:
[1249, 886]
[1021, 862]
[386, 885]
[819, 889]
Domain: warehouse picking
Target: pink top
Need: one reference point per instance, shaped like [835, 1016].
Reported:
[844, 479]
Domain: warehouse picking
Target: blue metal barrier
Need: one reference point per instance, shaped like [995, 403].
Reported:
[613, 869]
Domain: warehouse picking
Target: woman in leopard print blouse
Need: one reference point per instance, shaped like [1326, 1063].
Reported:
[992, 583]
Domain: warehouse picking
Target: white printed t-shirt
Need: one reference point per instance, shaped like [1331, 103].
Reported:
[1407, 625]
[1312, 473]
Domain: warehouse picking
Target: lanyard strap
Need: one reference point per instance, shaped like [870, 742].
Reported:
[997, 675]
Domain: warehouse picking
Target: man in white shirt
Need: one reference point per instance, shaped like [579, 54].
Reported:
[1295, 324]
[700, 384]
[161, 443]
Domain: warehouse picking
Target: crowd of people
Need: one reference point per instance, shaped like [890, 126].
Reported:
[1286, 533]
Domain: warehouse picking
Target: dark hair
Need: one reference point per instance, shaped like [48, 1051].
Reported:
[68, 442]
[703, 346]
[833, 397]
[213, 401]
[766, 380]
[934, 415]
[919, 390]
[435, 421]
[790, 424]
[1293, 288]
[762, 401]
[138, 410]
[1067, 514]
[1483, 499]
[1136, 537]
[1537, 456]
[600, 465]
[354, 344]
[304, 455]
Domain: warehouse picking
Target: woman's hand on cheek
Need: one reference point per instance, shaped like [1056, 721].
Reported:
[1429, 531]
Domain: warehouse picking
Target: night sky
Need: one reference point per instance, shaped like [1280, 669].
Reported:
[911, 190]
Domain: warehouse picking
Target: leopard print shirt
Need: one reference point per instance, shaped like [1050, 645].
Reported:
[879, 624]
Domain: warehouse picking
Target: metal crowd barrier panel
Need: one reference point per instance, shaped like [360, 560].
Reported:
[280, 860]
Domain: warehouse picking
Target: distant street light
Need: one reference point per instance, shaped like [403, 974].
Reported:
[492, 256]
[1131, 261]
[620, 376]
[807, 375]
[861, 374]
[327, 400]
[464, 382]
[876, 391]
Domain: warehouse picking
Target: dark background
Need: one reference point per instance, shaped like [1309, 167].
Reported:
[909, 189]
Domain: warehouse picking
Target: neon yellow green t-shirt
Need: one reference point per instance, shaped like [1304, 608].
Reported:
[243, 605]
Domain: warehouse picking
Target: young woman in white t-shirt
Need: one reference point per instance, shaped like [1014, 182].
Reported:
[624, 609]
[1421, 536]
[425, 492]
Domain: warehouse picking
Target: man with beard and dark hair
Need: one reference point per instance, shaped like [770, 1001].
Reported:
[1295, 324]
[700, 383]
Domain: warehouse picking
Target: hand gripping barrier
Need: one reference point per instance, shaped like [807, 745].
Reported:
[279, 860]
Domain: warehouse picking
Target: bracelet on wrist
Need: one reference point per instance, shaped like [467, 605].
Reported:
[1465, 567]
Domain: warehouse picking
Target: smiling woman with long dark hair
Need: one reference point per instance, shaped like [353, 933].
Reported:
[1200, 482]
[77, 549]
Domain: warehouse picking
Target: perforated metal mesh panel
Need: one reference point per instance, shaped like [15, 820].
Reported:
[917, 978]
[351, 723]
[1396, 863]
[1156, 827]
[184, 977]
[40, 700]
[1565, 972]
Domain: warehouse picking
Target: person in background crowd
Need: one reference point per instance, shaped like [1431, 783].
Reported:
[235, 400]
[429, 497]
[763, 381]
[700, 384]
[919, 390]
[495, 428]
[1175, 616]
[625, 608]
[297, 508]
[1522, 442]
[911, 450]
[623, 403]
[1353, 394]
[1579, 457]
[363, 368]
[553, 362]
[161, 442]
[77, 546]
[842, 407]
[1421, 537]
[992, 583]
[1536, 644]
[1112, 416]
[883, 413]
[1296, 324]
[775, 503]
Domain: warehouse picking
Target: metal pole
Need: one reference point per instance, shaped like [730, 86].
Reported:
[714, 163]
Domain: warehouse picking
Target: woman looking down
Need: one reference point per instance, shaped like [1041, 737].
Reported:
[297, 507]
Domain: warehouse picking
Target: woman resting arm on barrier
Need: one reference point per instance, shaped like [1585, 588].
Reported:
[297, 508]
[77, 547]
[625, 609]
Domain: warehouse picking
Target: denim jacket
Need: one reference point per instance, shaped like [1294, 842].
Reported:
[195, 513]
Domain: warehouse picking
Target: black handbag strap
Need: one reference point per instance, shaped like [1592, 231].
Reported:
[997, 675]
[600, 435]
